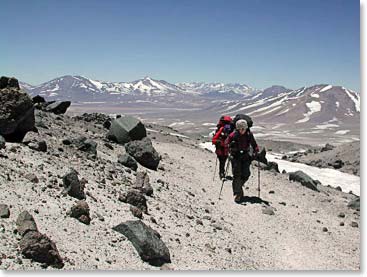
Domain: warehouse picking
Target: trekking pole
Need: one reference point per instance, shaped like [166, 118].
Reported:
[224, 179]
[258, 177]
[215, 168]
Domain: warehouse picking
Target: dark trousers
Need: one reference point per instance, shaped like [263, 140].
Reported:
[241, 173]
[222, 163]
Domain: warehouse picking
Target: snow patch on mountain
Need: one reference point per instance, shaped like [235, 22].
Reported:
[314, 107]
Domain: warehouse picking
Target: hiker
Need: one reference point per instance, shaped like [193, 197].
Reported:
[224, 128]
[239, 142]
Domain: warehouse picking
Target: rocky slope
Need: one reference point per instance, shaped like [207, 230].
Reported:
[345, 157]
[289, 227]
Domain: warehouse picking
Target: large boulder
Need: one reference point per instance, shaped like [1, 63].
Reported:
[128, 161]
[16, 111]
[72, 185]
[304, 179]
[59, 107]
[40, 248]
[125, 129]
[146, 241]
[144, 153]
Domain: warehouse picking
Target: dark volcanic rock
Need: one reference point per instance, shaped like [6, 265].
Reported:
[144, 153]
[4, 211]
[128, 161]
[135, 198]
[142, 183]
[58, 107]
[355, 203]
[85, 145]
[146, 241]
[40, 248]
[72, 185]
[38, 99]
[272, 166]
[125, 129]
[38, 145]
[327, 147]
[304, 179]
[80, 211]
[136, 212]
[98, 118]
[9, 82]
[25, 223]
[16, 113]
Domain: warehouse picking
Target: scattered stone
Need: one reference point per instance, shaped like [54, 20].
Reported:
[144, 153]
[324, 229]
[271, 192]
[354, 224]
[128, 161]
[125, 129]
[135, 198]
[38, 146]
[304, 179]
[327, 147]
[354, 204]
[25, 223]
[31, 177]
[4, 211]
[136, 212]
[72, 185]
[341, 223]
[199, 222]
[142, 183]
[80, 211]
[268, 211]
[146, 241]
[341, 215]
[283, 203]
[85, 145]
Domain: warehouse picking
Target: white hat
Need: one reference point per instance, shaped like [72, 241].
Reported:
[241, 124]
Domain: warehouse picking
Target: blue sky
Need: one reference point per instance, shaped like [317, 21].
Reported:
[259, 42]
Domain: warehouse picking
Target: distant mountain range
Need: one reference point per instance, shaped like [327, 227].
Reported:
[78, 88]
[322, 106]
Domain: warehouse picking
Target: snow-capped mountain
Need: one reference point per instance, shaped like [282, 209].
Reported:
[79, 88]
[325, 105]
[217, 89]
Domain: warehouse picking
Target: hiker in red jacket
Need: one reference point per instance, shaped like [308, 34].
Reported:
[239, 143]
[224, 128]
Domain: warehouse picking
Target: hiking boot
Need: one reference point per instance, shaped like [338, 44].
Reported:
[237, 198]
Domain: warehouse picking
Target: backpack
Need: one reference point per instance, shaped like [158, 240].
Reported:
[245, 117]
[226, 122]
